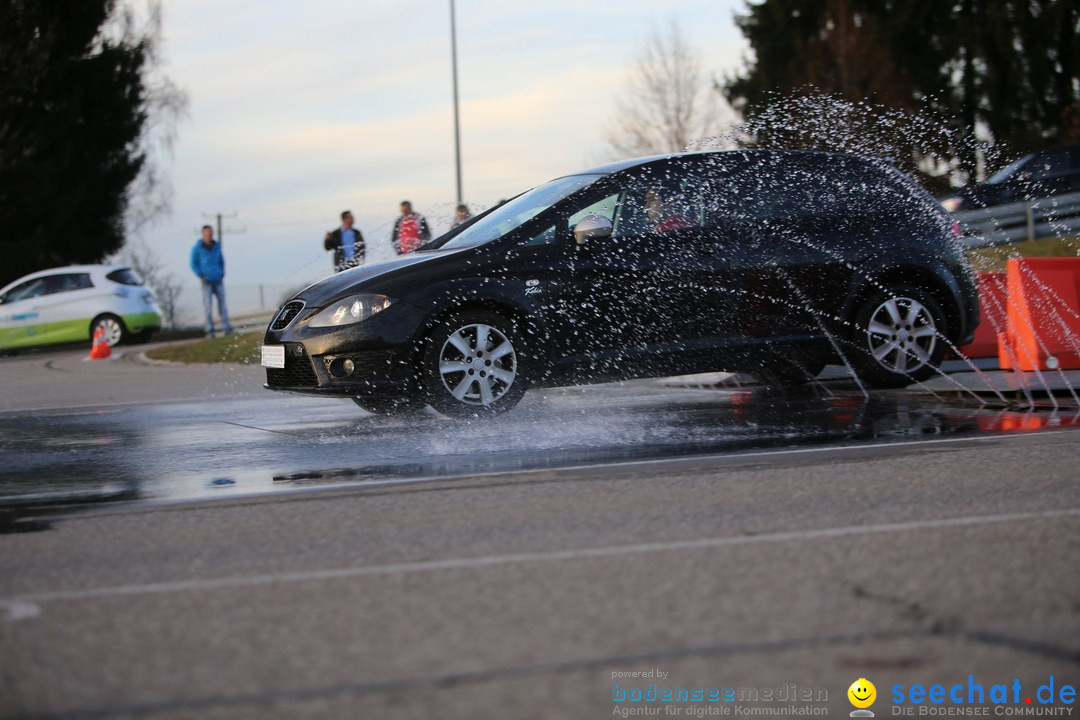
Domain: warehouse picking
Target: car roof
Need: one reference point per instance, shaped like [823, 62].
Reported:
[102, 269]
[620, 165]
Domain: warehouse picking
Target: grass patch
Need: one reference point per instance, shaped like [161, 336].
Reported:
[993, 259]
[241, 349]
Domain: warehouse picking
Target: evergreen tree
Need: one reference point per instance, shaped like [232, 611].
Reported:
[73, 106]
[1002, 72]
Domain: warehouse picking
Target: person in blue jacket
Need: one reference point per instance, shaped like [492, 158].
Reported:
[208, 264]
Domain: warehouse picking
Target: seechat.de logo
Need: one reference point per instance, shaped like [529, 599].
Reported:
[862, 695]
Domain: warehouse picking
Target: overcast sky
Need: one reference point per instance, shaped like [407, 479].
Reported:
[301, 110]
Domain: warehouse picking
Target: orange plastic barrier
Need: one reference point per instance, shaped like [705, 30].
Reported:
[1025, 422]
[1042, 331]
[992, 308]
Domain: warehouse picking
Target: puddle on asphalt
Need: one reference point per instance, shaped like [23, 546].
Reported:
[234, 449]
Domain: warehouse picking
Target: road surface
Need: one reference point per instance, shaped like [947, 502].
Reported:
[380, 568]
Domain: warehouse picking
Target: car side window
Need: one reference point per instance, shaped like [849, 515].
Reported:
[606, 206]
[547, 236]
[662, 206]
[746, 195]
[67, 282]
[25, 291]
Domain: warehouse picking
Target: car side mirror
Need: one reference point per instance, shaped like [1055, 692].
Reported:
[592, 226]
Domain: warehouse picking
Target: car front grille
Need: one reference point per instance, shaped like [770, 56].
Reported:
[290, 311]
[296, 373]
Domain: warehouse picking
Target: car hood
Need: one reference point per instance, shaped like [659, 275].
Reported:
[355, 279]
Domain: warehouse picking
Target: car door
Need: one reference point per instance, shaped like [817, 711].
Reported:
[66, 308]
[655, 294]
[590, 296]
[19, 317]
[598, 309]
[782, 243]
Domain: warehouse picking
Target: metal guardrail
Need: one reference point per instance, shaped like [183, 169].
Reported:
[1057, 216]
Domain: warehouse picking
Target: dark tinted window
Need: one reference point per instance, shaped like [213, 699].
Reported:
[662, 200]
[789, 189]
[125, 276]
[772, 188]
[651, 201]
[67, 282]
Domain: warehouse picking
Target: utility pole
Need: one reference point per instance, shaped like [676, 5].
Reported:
[457, 121]
[221, 230]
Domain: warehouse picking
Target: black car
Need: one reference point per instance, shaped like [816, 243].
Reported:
[768, 262]
[1054, 171]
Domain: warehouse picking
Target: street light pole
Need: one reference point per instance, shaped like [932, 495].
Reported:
[457, 120]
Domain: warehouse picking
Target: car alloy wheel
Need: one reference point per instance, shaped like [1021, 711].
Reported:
[473, 365]
[114, 329]
[901, 336]
[477, 364]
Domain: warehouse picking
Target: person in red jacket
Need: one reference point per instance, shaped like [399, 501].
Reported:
[411, 230]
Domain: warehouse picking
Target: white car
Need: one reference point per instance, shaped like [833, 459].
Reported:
[69, 304]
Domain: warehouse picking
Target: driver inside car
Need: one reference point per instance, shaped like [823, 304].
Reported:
[662, 216]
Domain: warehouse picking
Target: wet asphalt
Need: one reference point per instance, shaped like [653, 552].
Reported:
[208, 549]
[230, 437]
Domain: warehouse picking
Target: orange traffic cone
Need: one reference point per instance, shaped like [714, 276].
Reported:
[100, 349]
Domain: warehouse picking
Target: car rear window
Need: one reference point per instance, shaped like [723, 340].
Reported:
[125, 276]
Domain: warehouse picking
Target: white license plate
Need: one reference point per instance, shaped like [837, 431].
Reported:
[273, 356]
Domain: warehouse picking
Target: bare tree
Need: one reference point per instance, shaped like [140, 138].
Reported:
[165, 105]
[668, 104]
[150, 193]
[164, 284]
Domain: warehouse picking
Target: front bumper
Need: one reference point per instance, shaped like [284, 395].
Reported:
[372, 371]
[382, 354]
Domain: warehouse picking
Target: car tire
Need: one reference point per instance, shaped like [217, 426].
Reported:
[116, 332]
[473, 365]
[898, 337]
[388, 406]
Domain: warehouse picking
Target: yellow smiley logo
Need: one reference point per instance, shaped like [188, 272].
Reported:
[862, 693]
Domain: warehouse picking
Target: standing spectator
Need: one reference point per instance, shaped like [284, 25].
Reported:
[347, 244]
[411, 230]
[208, 264]
[461, 216]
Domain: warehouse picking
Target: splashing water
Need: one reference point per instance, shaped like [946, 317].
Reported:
[931, 148]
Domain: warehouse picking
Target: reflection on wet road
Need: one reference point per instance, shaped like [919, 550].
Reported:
[262, 444]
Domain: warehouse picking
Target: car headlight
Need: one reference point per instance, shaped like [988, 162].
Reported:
[353, 309]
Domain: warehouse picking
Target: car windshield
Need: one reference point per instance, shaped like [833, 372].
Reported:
[518, 211]
[1006, 172]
